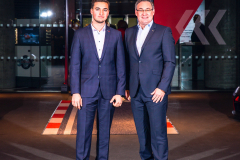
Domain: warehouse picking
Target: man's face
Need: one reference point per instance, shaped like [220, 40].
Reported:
[100, 12]
[144, 13]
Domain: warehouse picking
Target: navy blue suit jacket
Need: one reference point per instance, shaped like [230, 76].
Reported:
[88, 72]
[156, 64]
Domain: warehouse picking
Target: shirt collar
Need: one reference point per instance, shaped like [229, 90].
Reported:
[93, 29]
[149, 25]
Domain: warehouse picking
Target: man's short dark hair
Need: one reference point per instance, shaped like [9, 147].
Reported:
[106, 1]
[196, 17]
[138, 1]
[122, 24]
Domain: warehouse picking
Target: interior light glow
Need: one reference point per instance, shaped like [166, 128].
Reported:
[49, 13]
[46, 14]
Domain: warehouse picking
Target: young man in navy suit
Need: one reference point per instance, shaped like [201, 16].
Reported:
[97, 73]
[151, 53]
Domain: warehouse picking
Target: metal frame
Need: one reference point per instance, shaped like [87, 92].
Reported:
[66, 45]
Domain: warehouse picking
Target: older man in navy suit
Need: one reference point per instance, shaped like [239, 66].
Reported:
[97, 72]
[151, 54]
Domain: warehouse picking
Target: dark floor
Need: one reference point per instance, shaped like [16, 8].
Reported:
[207, 130]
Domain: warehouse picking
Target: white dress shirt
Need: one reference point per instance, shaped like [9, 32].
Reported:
[99, 38]
[141, 36]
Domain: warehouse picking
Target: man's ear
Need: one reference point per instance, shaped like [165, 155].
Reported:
[91, 11]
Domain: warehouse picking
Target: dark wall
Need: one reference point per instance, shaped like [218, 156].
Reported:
[26, 9]
[222, 73]
[238, 41]
[7, 45]
[116, 7]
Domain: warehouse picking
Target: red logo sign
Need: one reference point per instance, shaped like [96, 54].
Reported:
[175, 14]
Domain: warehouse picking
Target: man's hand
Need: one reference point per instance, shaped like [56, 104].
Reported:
[116, 100]
[77, 100]
[127, 95]
[158, 95]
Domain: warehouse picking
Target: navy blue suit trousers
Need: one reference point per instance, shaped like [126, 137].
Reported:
[150, 121]
[85, 121]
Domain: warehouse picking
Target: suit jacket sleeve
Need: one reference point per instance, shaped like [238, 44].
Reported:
[75, 64]
[127, 62]
[120, 65]
[168, 50]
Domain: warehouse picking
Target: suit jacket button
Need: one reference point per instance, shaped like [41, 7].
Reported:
[140, 62]
[98, 77]
[99, 65]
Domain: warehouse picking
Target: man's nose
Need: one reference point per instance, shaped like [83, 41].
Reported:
[144, 12]
[101, 12]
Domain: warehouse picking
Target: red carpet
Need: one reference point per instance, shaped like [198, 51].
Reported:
[64, 121]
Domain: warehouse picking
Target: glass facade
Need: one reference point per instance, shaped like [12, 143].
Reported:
[34, 46]
[208, 49]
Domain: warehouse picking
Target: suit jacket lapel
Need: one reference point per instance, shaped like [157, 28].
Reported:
[135, 41]
[150, 33]
[106, 41]
[92, 41]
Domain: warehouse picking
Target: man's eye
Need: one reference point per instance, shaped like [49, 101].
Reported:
[105, 10]
[140, 10]
[97, 9]
[148, 10]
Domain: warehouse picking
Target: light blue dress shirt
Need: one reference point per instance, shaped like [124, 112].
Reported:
[99, 38]
[141, 36]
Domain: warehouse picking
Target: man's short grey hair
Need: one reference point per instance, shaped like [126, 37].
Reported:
[138, 1]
